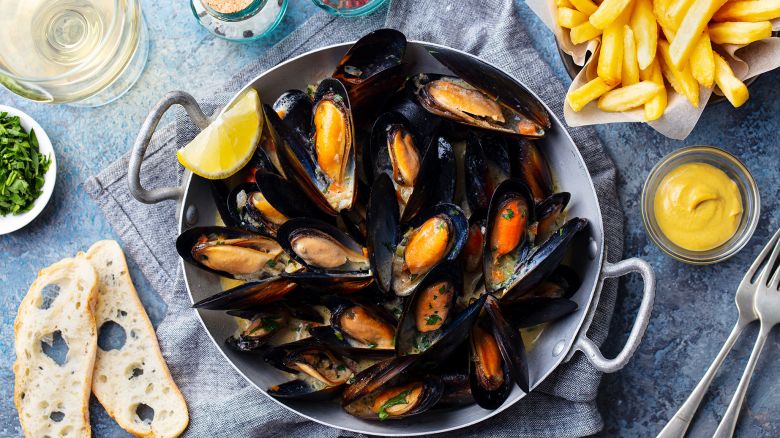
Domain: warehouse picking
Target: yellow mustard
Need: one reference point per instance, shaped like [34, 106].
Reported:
[697, 206]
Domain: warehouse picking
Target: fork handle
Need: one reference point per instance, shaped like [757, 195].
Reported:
[729, 421]
[682, 418]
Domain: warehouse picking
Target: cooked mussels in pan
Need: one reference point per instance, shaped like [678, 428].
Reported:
[392, 236]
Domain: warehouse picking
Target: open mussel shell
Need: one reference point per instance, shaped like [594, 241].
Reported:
[231, 252]
[486, 165]
[248, 295]
[323, 165]
[382, 233]
[529, 164]
[396, 150]
[457, 390]
[436, 180]
[259, 325]
[286, 197]
[248, 206]
[543, 261]
[372, 70]
[489, 377]
[321, 373]
[433, 237]
[331, 282]
[507, 239]
[321, 247]
[455, 99]
[549, 215]
[496, 83]
[422, 122]
[510, 343]
[357, 324]
[295, 108]
[430, 311]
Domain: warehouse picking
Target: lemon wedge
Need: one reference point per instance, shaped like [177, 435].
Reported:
[228, 143]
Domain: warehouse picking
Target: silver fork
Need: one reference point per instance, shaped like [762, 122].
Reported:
[745, 298]
[767, 306]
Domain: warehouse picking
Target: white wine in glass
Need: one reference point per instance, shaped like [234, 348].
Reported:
[82, 52]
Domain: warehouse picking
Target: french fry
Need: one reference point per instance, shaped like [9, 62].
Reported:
[655, 107]
[734, 89]
[675, 13]
[587, 7]
[563, 4]
[755, 10]
[681, 80]
[630, 67]
[582, 96]
[626, 98]
[610, 64]
[703, 62]
[696, 19]
[569, 18]
[735, 32]
[583, 32]
[608, 12]
[645, 32]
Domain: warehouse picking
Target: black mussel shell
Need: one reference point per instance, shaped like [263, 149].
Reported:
[354, 220]
[439, 314]
[502, 255]
[423, 123]
[293, 230]
[382, 233]
[438, 354]
[487, 397]
[245, 215]
[286, 197]
[535, 311]
[496, 83]
[220, 192]
[308, 389]
[405, 281]
[530, 165]
[372, 70]
[294, 108]
[269, 322]
[486, 163]
[332, 282]
[497, 115]
[375, 376]
[218, 236]
[431, 392]
[549, 215]
[510, 343]
[436, 180]
[457, 391]
[248, 295]
[348, 310]
[539, 265]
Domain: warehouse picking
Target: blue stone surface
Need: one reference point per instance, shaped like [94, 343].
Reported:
[694, 308]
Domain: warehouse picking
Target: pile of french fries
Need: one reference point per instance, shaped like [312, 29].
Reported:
[648, 43]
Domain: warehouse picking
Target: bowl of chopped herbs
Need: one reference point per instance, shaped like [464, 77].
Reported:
[28, 169]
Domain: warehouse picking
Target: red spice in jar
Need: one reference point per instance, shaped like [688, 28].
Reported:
[346, 4]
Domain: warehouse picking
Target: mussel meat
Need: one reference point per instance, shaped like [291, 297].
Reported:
[489, 374]
[322, 247]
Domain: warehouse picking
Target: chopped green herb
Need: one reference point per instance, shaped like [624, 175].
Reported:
[508, 214]
[341, 368]
[525, 212]
[339, 335]
[372, 345]
[432, 319]
[396, 312]
[399, 399]
[442, 289]
[271, 263]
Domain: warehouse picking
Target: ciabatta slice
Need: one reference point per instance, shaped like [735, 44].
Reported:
[131, 381]
[51, 391]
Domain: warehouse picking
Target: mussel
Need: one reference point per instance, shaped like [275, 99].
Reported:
[489, 376]
[486, 165]
[549, 216]
[280, 322]
[321, 247]
[321, 374]
[432, 238]
[232, 253]
[321, 159]
[430, 310]
[398, 152]
[529, 165]
[507, 241]
[455, 99]
[249, 295]
[382, 233]
[357, 324]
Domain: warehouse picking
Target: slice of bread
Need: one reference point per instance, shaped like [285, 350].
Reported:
[131, 378]
[52, 384]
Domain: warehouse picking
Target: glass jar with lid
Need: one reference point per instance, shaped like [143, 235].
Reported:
[239, 20]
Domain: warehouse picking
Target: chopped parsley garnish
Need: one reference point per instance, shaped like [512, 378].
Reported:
[396, 312]
[22, 166]
[341, 368]
[432, 319]
[399, 399]
[271, 263]
[525, 212]
[372, 345]
[339, 335]
[442, 289]
[508, 214]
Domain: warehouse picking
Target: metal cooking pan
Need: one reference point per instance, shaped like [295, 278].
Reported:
[557, 343]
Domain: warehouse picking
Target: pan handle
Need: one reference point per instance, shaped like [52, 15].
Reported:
[589, 348]
[153, 196]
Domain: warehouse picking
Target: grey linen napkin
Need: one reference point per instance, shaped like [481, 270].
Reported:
[220, 400]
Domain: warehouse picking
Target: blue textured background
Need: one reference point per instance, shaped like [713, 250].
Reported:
[694, 308]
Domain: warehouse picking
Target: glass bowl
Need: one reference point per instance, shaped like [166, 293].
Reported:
[344, 8]
[736, 170]
[257, 20]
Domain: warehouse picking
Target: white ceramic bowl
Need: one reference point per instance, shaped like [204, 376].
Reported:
[13, 222]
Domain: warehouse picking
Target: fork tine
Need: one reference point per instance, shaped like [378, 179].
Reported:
[761, 257]
[767, 272]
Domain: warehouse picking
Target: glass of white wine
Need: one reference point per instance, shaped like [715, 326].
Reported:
[80, 52]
